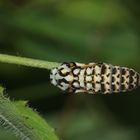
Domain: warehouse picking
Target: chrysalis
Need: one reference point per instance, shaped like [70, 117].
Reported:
[94, 78]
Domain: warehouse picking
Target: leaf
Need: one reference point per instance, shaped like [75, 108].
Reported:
[23, 121]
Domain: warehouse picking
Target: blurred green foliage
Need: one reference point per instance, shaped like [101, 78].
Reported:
[73, 30]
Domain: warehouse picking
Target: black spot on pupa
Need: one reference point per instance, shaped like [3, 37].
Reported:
[109, 68]
[113, 87]
[122, 87]
[93, 71]
[103, 88]
[100, 64]
[127, 76]
[97, 82]
[122, 79]
[72, 64]
[62, 80]
[99, 91]
[123, 71]
[118, 83]
[107, 83]
[132, 72]
[113, 79]
[137, 83]
[108, 75]
[102, 79]
[118, 76]
[69, 64]
[103, 70]
[93, 85]
[131, 87]
[131, 79]
[114, 70]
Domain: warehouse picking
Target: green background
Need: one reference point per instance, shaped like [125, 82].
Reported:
[73, 30]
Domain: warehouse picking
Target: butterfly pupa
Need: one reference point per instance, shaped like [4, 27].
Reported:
[94, 78]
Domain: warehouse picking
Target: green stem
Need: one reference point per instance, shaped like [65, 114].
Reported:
[27, 61]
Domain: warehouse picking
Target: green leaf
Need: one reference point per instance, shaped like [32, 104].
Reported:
[23, 121]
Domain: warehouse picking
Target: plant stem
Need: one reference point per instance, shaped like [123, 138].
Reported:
[27, 61]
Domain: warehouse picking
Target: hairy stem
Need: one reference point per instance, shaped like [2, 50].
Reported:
[27, 61]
